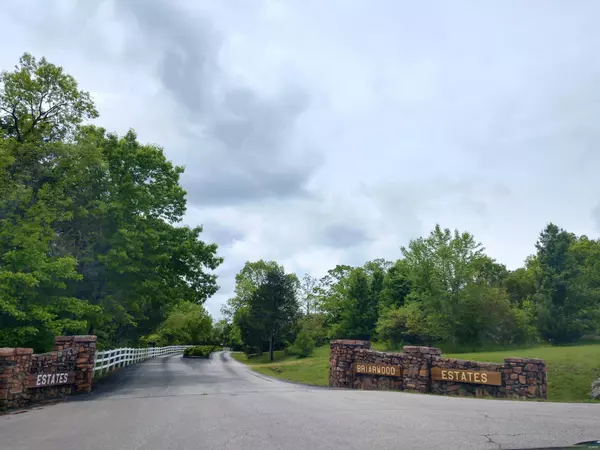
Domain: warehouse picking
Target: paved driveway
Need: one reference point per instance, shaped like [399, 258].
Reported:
[176, 404]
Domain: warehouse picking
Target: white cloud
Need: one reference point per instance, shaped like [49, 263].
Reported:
[318, 133]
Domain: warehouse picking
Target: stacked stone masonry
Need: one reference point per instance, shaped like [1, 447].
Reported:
[522, 378]
[72, 354]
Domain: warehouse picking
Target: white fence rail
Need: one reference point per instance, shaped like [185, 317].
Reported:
[108, 360]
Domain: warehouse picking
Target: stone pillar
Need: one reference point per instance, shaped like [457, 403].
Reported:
[525, 378]
[417, 367]
[14, 369]
[86, 358]
[341, 359]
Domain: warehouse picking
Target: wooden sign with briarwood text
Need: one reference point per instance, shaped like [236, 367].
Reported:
[378, 369]
[466, 376]
[38, 380]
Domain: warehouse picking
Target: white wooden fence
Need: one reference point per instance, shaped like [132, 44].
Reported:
[109, 360]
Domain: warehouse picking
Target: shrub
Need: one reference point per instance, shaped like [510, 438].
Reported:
[203, 351]
[303, 346]
[315, 326]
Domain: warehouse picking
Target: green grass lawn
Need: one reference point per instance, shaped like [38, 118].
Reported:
[571, 370]
[312, 370]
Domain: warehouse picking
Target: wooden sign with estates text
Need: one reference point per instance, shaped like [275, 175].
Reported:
[466, 376]
[38, 380]
[378, 369]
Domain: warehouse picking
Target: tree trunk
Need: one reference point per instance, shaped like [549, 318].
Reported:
[271, 347]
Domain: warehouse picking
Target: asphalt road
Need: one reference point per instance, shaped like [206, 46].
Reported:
[176, 404]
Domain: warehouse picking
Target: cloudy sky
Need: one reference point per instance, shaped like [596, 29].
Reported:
[323, 132]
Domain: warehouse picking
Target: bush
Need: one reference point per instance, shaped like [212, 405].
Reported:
[303, 346]
[407, 324]
[202, 351]
[314, 325]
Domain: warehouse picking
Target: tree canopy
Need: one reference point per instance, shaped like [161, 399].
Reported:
[445, 290]
[265, 307]
[91, 242]
[89, 234]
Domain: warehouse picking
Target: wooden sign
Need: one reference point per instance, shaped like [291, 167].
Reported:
[378, 369]
[466, 376]
[50, 379]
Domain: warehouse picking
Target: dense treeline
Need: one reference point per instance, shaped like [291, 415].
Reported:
[90, 243]
[444, 290]
[89, 240]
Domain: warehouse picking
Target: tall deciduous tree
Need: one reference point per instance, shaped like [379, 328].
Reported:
[308, 294]
[137, 263]
[332, 294]
[266, 307]
[247, 280]
[89, 239]
[360, 312]
[456, 294]
[522, 284]
[396, 286]
[39, 105]
[39, 102]
[350, 298]
[275, 306]
[567, 301]
[186, 323]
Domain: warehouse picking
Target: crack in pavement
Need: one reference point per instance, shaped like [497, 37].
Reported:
[490, 440]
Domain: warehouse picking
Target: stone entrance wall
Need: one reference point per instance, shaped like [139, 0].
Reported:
[521, 377]
[72, 354]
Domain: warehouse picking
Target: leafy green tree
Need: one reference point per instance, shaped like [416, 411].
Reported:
[88, 234]
[458, 291]
[137, 263]
[360, 314]
[440, 266]
[487, 316]
[377, 265]
[376, 288]
[247, 280]
[275, 305]
[303, 346]
[186, 323]
[237, 308]
[567, 300]
[406, 324]
[522, 283]
[490, 272]
[332, 294]
[309, 293]
[315, 326]
[265, 308]
[252, 332]
[396, 286]
[585, 255]
[350, 300]
[227, 334]
[222, 333]
[40, 103]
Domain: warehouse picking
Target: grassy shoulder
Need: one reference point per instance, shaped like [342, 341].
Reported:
[571, 369]
[312, 370]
